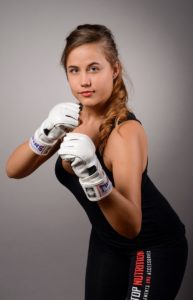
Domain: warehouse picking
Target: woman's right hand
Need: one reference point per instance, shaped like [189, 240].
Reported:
[27, 157]
[62, 118]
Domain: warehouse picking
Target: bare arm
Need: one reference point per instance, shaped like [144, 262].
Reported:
[127, 150]
[23, 161]
[46, 139]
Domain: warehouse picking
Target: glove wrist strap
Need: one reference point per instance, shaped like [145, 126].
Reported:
[96, 186]
[39, 147]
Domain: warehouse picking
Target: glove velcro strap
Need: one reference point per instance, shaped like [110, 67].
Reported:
[96, 186]
[38, 147]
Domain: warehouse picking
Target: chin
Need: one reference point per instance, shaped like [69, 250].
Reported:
[88, 102]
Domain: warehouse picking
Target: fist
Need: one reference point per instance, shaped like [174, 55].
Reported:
[79, 149]
[62, 118]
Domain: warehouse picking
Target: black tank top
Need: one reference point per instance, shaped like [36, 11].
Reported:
[160, 224]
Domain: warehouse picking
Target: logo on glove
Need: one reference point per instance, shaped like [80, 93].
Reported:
[91, 192]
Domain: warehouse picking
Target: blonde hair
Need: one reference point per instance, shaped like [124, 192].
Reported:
[117, 103]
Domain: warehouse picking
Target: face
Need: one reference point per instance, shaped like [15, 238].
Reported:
[90, 75]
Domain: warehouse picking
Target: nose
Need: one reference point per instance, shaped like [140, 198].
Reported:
[85, 80]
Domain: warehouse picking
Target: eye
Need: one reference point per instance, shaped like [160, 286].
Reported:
[73, 70]
[94, 69]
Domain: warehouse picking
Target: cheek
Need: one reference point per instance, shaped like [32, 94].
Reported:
[106, 87]
[72, 84]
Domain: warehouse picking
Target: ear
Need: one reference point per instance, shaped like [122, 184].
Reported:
[116, 69]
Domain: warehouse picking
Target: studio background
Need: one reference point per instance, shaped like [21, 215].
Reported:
[43, 230]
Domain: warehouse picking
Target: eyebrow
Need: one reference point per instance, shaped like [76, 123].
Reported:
[93, 63]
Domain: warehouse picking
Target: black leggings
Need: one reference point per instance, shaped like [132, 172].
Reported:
[150, 274]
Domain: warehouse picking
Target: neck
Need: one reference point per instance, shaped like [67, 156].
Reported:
[90, 121]
[90, 115]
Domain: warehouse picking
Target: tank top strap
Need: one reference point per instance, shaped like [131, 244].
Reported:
[131, 116]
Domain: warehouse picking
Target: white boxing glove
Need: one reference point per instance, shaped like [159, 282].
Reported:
[62, 118]
[80, 151]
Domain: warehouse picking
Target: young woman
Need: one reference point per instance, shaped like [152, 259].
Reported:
[137, 248]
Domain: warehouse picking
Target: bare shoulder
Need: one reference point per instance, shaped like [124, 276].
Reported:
[129, 126]
[127, 138]
[127, 131]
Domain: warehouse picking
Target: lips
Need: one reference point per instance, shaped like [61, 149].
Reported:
[86, 93]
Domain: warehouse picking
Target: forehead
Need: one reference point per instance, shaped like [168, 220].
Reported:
[87, 53]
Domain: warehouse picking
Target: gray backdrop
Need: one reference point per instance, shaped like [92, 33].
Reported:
[43, 230]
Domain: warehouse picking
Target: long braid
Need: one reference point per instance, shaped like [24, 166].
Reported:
[117, 112]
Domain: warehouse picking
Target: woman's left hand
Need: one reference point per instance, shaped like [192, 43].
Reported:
[79, 149]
